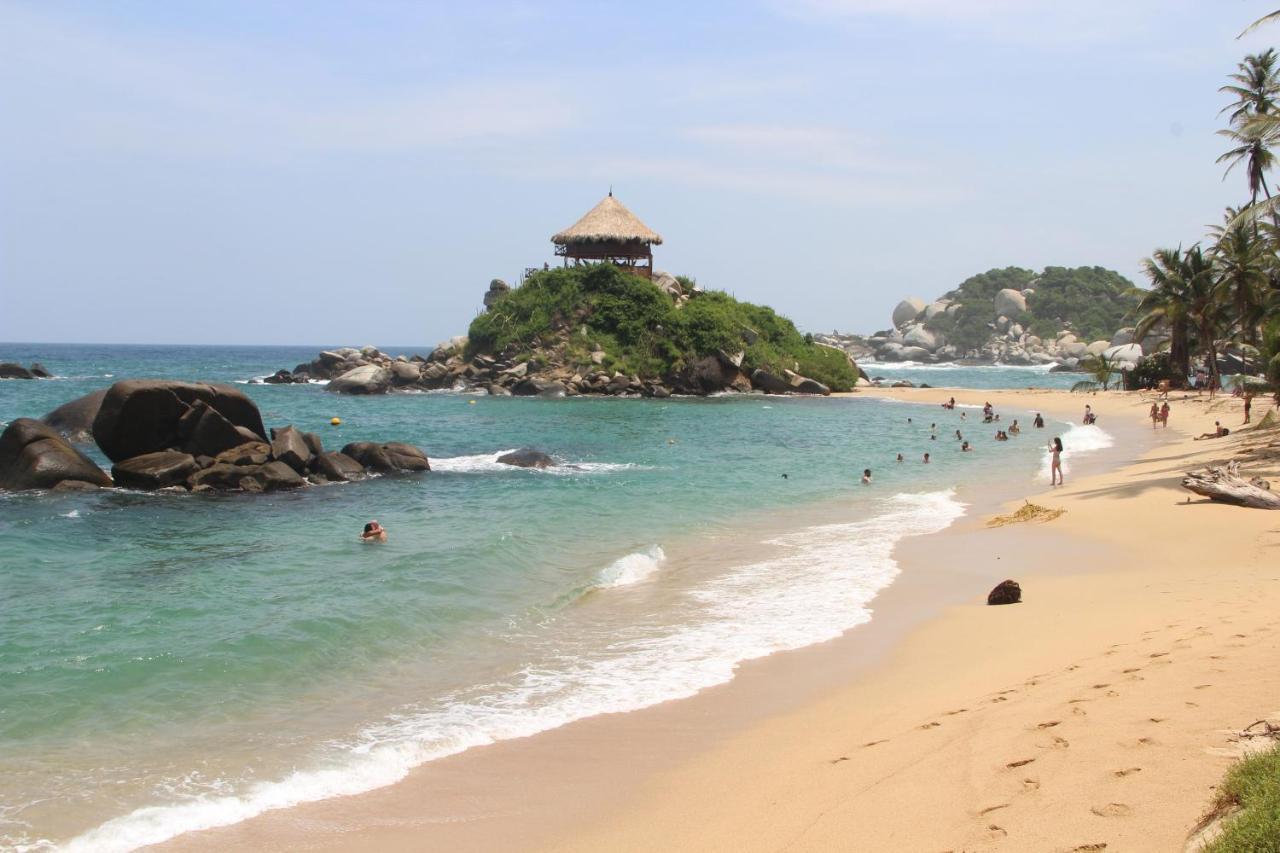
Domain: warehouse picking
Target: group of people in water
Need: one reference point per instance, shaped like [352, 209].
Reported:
[990, 416]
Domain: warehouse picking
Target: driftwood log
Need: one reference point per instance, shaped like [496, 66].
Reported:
[1225, 484]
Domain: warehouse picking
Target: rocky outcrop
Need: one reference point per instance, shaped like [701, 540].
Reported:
[75, 419]
[34, 455]
[526, 458]
[1010, 303]
[907, 310]
[140, 416]
[497, 289]
[183, 435]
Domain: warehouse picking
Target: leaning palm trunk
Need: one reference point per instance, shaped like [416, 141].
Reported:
[1225, 484]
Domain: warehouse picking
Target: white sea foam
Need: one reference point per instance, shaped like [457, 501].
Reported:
[1076, 440]
[631, 569]
[815, 584]
[487, 463]
[948, 365]
[75, 513]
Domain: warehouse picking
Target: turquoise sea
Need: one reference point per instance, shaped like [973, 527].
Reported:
[175, 662]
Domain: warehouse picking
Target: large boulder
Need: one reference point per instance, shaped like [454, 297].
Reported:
[667, 283]
[1010, 303]
[913, 354]
[140, 416]
[75, 419]
[1074, 349]
[919, 336]
[770, 383]
[269, 477]
[935, 309]
[527, 458]
[249, 453]
[366, 379]
[1098, 347]
[336, 467]
[1126, 357]
[11, 370]
[154, 470]
[907, 310]
[708, 375]
[804, 385]
[1122, 337]
[387, 458]
[405, 372]
[205, 432]
[497, 289]
[290, 447]
[33, 455]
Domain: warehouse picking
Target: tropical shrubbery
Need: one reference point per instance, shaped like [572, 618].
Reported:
[641, 330]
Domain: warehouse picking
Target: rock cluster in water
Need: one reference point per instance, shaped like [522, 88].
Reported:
[368, 370]
[184, 436]
[12, 370]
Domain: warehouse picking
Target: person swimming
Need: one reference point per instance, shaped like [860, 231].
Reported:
[374, 532]
[926, 459]
[1014, 429]
[899, 457]
[965, 448]
[866, 476]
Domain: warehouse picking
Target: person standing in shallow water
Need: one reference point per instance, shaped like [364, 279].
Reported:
[866, 476]
[1055, 465]
[374, 532]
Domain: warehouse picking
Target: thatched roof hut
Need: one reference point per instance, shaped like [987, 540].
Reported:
[609, 232]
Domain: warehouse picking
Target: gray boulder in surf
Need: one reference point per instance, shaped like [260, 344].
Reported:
[368, 379]
[527, 458]
[154, 470]
[33, 455]
[391, 457]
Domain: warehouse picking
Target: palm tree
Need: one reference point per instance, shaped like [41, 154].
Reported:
[1242, 257]
[1253, 128]
[1265, 19]
[1166, 302]
[1205, 306]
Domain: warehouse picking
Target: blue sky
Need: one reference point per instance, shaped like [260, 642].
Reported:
[335, 172]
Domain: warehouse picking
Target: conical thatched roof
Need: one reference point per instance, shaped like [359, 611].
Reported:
[608, 221]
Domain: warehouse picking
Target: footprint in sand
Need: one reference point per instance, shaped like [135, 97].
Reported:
[1060, 743]
[1100, 686]
[1030, 784]
[1131, 670]
[1001, 699]
[957, 711]
[1201, 686]
[1145, 741]
[1157, 719]
[1157, 654]
[1022, 762]
[930, 725]
[1079, 712]
[989, 809]
[838, 760]
[996, 831]
[1089, 848]
[1112, 810]
[1128, 771]
[875, 742]
[1049, 724]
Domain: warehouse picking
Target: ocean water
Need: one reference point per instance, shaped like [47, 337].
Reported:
[173, 662]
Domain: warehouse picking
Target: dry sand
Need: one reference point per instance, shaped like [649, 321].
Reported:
[1101, 711]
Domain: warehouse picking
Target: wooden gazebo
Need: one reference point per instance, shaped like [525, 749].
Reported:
[609, 232]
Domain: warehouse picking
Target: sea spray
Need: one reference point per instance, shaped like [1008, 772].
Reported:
[631, 569]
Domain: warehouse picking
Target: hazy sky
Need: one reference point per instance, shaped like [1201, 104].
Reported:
[341, 172]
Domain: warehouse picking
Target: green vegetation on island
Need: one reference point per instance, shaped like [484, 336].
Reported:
[574, 314]
[1090, 301]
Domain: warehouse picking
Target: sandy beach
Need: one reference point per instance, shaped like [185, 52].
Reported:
[1098, 714]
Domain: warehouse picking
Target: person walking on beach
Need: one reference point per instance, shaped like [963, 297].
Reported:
[1155, 414]
[1164, 415]
[1248, 404]
[1055, 464]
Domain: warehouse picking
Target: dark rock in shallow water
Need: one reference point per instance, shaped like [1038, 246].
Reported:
[527, 458]
[250, 478]
[154, 470]
[10, 370]
[1005, 592]
[290, 447]
[391, 457]
[33, 455]
[140, 416]
[249, 453]
[769, 383]
[281, 377]
[75, 419]
[211, 433]
[39, 371]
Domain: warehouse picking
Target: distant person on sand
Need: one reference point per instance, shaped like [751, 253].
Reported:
[1038, 423]
[1248, 405]
[926, 459]
[1055, 465]
[1164, 415]
[866, 476]
[1219, 431]
[1155, 414]
[374, 532]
